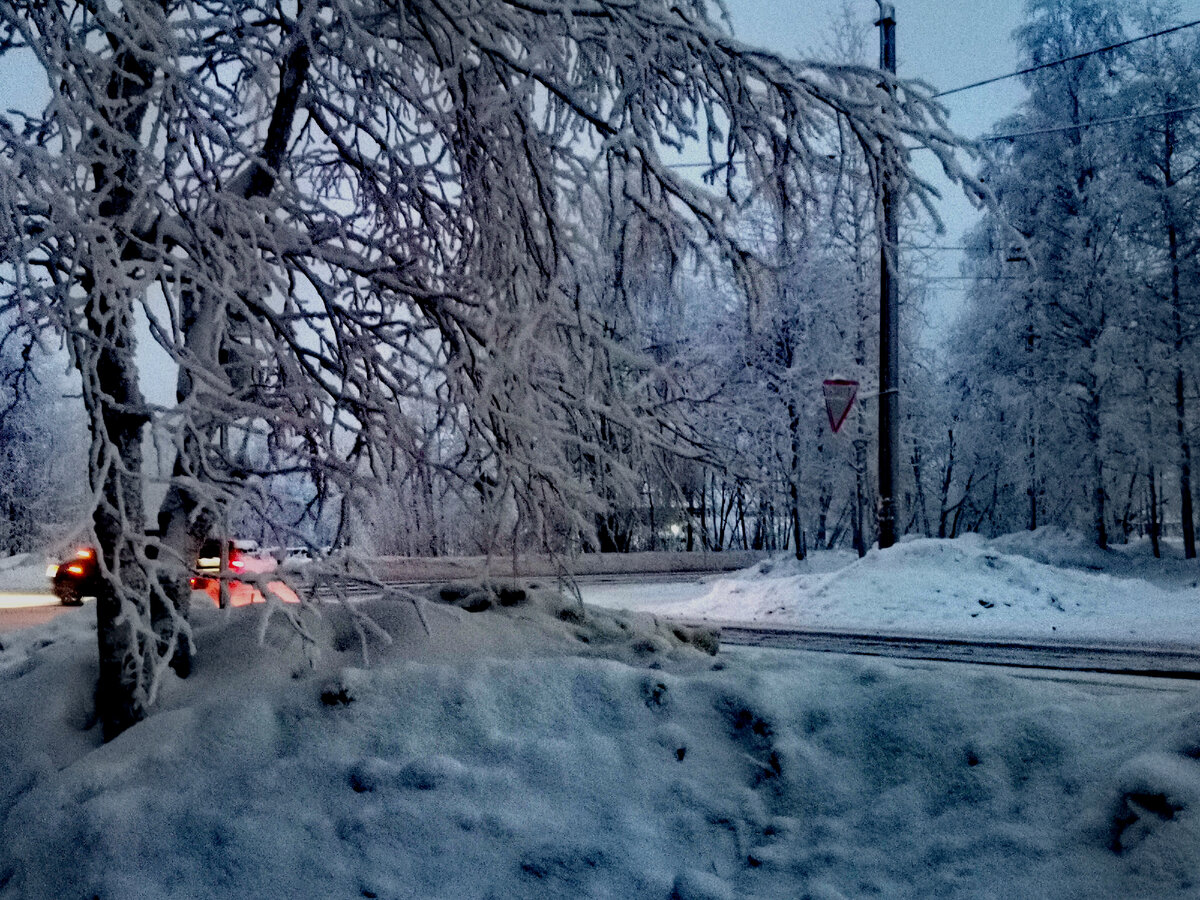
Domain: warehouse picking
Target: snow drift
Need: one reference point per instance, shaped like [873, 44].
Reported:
[543, 749]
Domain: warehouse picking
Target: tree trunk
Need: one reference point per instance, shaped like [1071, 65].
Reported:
[741, 517]
[958, 507]
[947, 480]
[1186, 511]
[1031, 458]
[1154, 520]
[116, 409]
[1127, 516]
[920, 515]
[1099, 495]
[185, 519]
[823, 502]
[861, 499]
[1185, 470]
[794, 478]
[121, 696]
[1031, 464]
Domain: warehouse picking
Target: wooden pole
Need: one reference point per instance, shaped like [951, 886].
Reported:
[889, 363]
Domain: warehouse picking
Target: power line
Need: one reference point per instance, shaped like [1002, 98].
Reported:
[1092, 124]
[1067, 59]
[1036, 132]
[1011, 136]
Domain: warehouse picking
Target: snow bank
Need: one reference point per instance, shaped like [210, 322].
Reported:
[24, 573]
[1034, 586]
[539, 749]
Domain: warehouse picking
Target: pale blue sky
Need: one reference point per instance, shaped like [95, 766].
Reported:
[947, 43]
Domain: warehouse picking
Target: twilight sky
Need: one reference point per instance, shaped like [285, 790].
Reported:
[947, 43]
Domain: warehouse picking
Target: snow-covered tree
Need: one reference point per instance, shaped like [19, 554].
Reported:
[42, 459]
[1049, 261]
[1079, 334]
[346, 219]
[1163, 155]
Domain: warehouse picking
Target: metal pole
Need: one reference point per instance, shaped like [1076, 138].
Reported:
[889, 363]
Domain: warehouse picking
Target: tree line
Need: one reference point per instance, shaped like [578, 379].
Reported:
[1064, 392]
[1063, 395]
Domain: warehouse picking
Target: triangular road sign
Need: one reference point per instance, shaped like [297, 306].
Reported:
[839, 397]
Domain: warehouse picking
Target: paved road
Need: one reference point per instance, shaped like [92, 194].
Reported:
[1114, 659]
[16, 618]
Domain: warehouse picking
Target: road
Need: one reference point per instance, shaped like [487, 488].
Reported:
[1180, 661]
[19, 611]
[1111, 659]
[622, 591]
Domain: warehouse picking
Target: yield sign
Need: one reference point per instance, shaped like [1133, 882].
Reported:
[839, 397]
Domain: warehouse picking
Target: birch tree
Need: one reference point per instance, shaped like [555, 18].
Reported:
[343, 220]
[1164, 159]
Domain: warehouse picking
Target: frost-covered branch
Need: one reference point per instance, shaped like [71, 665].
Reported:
[373, 233]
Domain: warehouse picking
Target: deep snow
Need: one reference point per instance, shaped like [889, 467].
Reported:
[1049, 585]
[541, 751]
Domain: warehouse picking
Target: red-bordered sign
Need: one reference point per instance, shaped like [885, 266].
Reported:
[839, 397]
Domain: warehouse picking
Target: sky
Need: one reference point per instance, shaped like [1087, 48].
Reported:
[946, 43]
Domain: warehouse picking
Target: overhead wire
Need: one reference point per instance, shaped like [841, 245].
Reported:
[1095, 123]
[1116, 120]
[1067, 59]
[956, 282]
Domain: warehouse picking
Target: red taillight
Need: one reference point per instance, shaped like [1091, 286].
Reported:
[237, 564]
[85, 553]
[75, 569]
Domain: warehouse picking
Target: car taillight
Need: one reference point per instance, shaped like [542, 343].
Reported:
[84, 553]
[75, 569]
[237, 564]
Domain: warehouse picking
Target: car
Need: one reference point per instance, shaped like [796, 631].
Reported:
[245, 558]
[73, 580]
[297, 555]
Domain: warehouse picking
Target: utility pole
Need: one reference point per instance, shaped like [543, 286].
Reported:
[889, 363]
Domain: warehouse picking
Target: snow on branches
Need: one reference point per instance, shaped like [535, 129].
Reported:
[370, 233]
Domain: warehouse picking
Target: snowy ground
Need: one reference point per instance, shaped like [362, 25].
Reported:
[1045, 586]
[532, 751]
